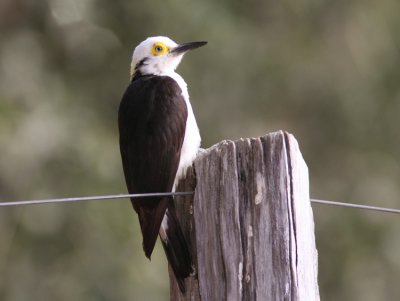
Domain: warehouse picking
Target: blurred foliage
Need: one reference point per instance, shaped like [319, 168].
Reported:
[327, 71]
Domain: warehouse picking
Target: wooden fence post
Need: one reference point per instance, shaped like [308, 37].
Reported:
[250, 224]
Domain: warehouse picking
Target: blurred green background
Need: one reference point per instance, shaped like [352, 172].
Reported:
[327, 71]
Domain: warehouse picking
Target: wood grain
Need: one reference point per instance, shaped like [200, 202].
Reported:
[250, 223]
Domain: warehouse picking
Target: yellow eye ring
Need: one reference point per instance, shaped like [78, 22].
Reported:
[159, 49]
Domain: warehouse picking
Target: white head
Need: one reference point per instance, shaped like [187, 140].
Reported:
[159, 55]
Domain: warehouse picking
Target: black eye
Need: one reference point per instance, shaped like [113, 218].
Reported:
[158, 48]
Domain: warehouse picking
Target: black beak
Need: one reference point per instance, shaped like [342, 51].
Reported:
[182, 48]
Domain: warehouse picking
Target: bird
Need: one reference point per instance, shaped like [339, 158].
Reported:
[159, 139]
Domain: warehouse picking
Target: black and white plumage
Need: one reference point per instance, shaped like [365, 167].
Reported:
[159, 140]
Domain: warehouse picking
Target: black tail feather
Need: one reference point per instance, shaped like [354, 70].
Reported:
[150, 218]
[176, 248]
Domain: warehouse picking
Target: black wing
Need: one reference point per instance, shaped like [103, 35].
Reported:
[152, 120]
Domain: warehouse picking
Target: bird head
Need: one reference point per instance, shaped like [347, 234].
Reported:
[159, 55]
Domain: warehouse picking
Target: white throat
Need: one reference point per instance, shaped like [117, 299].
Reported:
[158, 65]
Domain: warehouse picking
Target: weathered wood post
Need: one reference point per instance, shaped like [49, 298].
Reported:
[250, 223]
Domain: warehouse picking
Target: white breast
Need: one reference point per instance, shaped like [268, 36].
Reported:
[191, 142]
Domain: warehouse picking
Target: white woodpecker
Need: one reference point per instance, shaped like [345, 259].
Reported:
[159, 140]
